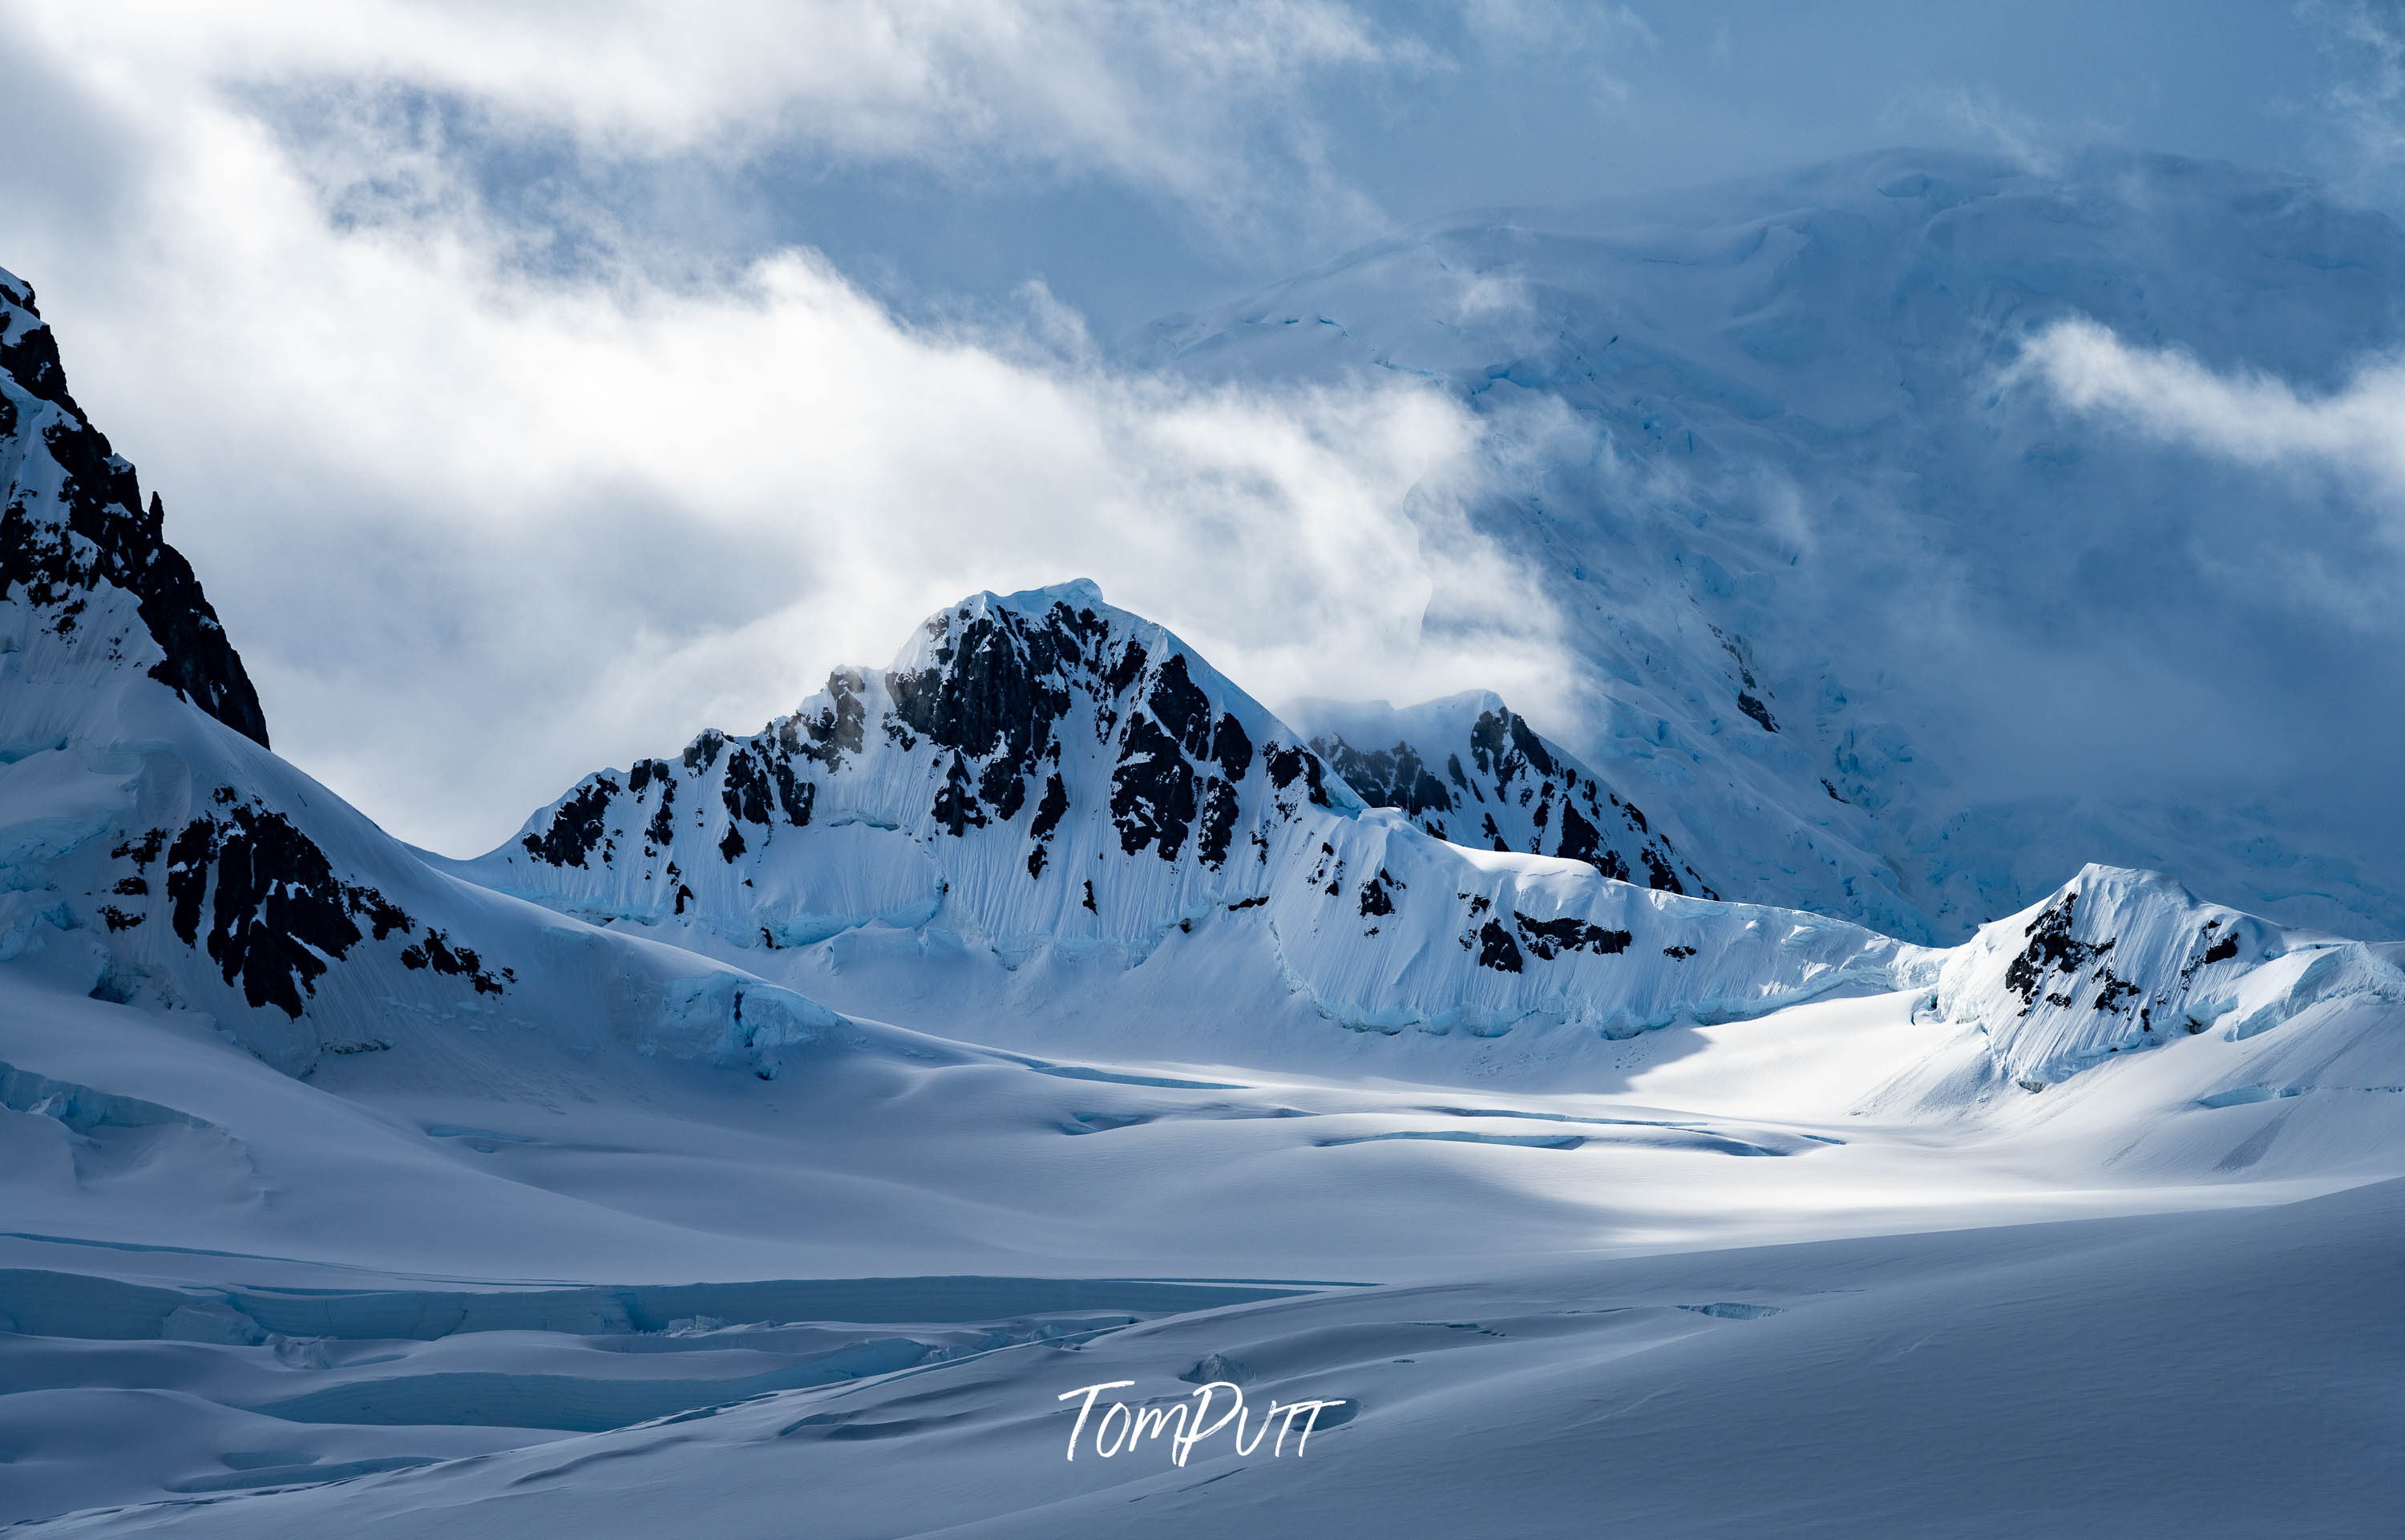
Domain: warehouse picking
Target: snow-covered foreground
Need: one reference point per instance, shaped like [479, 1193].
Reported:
[429, 1293]
[2226, 1374]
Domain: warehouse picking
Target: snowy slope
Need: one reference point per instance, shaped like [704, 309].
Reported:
[411, 1257]
[1871, 630]
[2226, 1374]
[1042, 775]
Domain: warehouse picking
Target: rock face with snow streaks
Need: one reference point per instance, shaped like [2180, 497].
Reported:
[1042, 772]
[1034, 766]
[71, 523]
[2119, 962]
[152, 849]
[1472, 770]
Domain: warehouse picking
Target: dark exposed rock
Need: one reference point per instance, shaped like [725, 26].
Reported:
[661, 832]
[1549, 938]
[1000, 787]
[438, 953]
[1658, 873]
[2112, 991]
[1232, 748]
[1152, 792]
[1217, 826]
[275, 906]
[995, 695]
[1048, 810]
[29, 355]
[1388, 778]
[100, 532]
[956, 802]
[702, 752]
[141, 852]
[1125, 671]
[1496, 948]
[1755, 709]
[841, 728]
[1179, 705]
[576, 826]
[1582, 841]
[1376, 899]
[1503, 744]
[745, 788]
[2051, 948]
[1285, 764]
[796, 795]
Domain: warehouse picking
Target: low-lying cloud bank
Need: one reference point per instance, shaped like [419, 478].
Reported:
[480, 523]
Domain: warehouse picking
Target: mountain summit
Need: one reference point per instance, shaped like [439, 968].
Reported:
[74, 532]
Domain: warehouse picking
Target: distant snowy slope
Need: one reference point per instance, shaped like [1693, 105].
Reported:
[1881, 629]
[1042, 777]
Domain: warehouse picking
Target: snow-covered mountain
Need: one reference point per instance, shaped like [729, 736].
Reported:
[1042, 775]
[153, 850]
[1872, 627]
[1472, 770]
[2122, 961]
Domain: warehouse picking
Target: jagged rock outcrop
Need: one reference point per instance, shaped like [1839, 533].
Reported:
[1470, 770]
[2120, 962]
[1042, 772]
[71, 521]
[152, 848]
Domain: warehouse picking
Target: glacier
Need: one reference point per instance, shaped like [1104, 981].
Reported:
[1899, 636]
[1749, 1113]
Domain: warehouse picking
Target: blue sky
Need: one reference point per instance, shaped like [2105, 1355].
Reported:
[534, 385]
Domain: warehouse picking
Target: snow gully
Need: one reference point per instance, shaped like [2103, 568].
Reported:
[1121, 1428]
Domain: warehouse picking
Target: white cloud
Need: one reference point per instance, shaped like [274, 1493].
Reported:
[2364, 47]
[2336, 562]
[1184, 96]
[478, 532]
[2251, 417]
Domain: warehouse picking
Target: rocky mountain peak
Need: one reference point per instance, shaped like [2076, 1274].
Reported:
[72, 523]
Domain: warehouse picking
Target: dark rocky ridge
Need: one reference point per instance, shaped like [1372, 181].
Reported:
[986, 708]
[56, 546]
[1501, 765]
